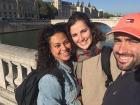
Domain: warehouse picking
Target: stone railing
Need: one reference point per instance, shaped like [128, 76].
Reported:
[15, 64]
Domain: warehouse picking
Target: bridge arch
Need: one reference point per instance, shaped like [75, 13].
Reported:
[104, 28]
[110, 22]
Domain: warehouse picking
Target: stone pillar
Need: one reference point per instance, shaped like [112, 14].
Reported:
[19, 78]
[10, 77]
[2, 76]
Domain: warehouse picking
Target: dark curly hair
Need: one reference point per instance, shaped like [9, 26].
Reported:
[45, 59]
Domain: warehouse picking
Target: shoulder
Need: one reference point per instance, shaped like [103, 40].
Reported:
[48, 77]
[49, 90]
[48, 80]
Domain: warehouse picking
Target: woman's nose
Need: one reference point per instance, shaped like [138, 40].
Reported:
[81, 38]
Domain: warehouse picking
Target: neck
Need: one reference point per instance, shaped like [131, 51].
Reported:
[123, 72]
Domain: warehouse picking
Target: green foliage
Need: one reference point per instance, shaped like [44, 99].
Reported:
[107, 15]
[46, 10]
[39, 3]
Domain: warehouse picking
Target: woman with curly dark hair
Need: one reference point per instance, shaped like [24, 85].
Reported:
[88, 42]
[54, 54]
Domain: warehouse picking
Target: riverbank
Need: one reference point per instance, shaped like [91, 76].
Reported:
[15, 26]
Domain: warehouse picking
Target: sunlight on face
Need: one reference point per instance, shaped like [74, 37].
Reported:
[60, 47]
[126, 51]
[81, 34]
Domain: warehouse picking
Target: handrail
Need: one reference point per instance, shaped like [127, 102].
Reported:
[15, 64]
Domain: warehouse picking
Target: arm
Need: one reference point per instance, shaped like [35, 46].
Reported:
[50, 92]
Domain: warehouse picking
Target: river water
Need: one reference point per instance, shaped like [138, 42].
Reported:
[28, 39]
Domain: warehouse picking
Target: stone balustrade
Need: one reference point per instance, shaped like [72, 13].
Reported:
[15, 64]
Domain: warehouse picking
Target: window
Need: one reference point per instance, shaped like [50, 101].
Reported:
[4, 6]
[10, 7]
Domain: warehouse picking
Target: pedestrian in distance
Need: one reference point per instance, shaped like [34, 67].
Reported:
[88, 43]
[125, 90]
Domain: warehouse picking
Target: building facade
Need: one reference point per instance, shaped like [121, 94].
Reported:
[23, 9]
[65, 9]
[8, 8]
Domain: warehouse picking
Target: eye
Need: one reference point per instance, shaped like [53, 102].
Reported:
[84, 30]
[133, 41]
[116, 40]
[73, 35]
[57, 45]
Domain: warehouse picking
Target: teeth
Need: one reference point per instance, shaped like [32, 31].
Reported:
[123, 58]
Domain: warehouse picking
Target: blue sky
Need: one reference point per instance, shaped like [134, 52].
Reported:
[114, 6]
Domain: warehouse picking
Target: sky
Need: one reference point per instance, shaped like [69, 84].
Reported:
[113, 6]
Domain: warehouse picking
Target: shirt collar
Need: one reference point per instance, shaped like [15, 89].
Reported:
[64, 67]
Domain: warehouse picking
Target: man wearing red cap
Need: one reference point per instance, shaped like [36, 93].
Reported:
[126, 88]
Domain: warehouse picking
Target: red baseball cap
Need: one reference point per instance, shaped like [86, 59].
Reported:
[129, 24]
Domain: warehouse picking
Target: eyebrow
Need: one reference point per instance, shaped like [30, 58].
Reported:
[80, 30]
[55, 43]
[85, 28]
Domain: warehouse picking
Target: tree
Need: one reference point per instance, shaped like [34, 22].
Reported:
[107, 15]
[46, 10]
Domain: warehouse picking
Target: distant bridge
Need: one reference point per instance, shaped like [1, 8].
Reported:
[110, 22]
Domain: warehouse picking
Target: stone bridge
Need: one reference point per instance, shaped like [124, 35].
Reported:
[111, 22]
[15, 64]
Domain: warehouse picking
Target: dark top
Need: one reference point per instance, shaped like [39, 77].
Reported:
[125, 90]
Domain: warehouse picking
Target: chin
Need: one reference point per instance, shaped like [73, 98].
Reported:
[121, 68]
[124, 68]
[84, 47]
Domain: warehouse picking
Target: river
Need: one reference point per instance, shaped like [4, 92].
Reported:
[28, 39]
